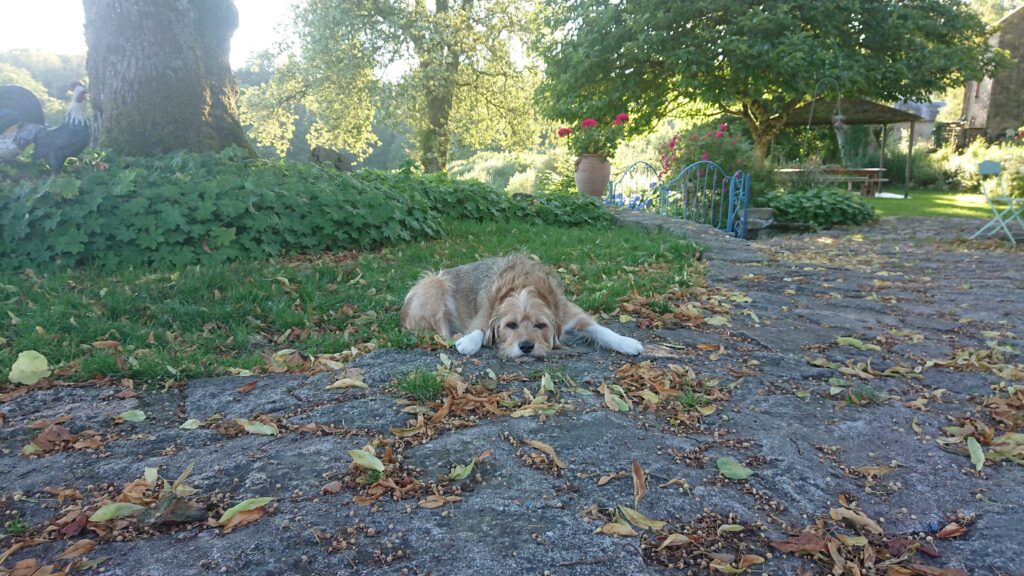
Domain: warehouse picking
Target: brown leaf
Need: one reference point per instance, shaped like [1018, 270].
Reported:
[547, 449]
[106, 344]
[331, 488]
[53, 435]
[77, 549]
[439, 416]
[639, 483]
[617, 529]
[436, 501]
[804, 543]
[243, 518]
[76, 525]
[246, 388]
[47, 422]
[952, 530]
[855, 517]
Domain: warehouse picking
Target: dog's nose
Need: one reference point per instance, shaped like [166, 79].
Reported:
[526, 346]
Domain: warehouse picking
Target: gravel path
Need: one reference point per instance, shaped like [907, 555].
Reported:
[929, 329]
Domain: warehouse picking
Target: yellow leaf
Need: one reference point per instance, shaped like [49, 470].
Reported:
[639, 520]
[674, 540]
[617, 529]
[346, 383]
[243, 506]
[366, 460]
[29, 368]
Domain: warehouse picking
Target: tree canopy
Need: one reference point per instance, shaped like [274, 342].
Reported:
[447, 70]
[755, 60]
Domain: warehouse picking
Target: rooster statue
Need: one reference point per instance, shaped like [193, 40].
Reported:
[21, 124]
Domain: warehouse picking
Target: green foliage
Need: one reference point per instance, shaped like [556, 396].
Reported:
[730, 150]
[422, 385]
[186, 208]
[756, 60]
[961, 167]
[820, 207]
[16, 526]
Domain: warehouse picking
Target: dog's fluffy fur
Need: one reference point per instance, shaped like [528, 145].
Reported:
[511, 302]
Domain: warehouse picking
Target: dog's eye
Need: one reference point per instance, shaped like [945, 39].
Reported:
[540, 326]
[511, 325]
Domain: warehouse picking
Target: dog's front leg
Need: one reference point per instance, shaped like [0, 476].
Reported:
[608, 338]
[470, 343]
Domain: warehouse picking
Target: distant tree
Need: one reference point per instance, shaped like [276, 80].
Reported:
[991, 11]
[55, 71]
[159, 74]
[758, 60]
[460, 84]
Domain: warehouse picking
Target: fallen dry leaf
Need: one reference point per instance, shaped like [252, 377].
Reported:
[77, 549]
[547, 449]
[855, 517]
[243, 518]
[246, 388]
[951, 530]
[639, 482]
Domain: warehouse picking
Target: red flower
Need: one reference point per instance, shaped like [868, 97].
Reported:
[672, 143]
[719, 134]
[620, 119]
[704, 156]
[723, 127]
[588, 123]
[563, 132]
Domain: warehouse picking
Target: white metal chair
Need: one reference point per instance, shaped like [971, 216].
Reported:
[1005, 208]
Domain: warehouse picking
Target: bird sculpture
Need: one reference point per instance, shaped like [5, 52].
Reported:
[22, 124]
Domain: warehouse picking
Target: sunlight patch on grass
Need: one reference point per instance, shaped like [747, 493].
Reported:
[933, 203]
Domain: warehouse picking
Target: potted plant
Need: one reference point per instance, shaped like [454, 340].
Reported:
[594, 145]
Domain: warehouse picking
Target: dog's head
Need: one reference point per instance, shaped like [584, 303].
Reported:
[523, 324]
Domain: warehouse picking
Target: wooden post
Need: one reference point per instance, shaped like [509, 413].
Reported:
[910, 162]
[881, 159]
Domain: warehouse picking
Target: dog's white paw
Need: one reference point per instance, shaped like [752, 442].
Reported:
[628, 345]
[470, 343]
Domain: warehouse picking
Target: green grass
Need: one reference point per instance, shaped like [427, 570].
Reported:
[204, 320]
[422, 384]
[933, 203]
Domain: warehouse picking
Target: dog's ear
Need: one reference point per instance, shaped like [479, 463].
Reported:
[491, 334]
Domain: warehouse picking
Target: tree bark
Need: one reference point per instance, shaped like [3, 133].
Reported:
[159, 75]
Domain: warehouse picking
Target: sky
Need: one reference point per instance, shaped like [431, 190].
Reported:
[56, 26]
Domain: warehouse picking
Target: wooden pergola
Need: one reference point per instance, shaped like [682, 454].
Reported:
[859, 112]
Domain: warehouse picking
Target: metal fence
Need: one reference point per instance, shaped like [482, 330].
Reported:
[702, 192]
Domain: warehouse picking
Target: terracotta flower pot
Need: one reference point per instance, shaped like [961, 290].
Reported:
[592, 174]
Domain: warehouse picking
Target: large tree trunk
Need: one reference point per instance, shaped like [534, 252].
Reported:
[159, 74]
[435, 139]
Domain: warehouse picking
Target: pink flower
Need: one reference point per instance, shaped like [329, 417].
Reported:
[704, 156]
[672, 143]
[723, 127]
[623, 117]
[719, 134]
[563, 132]
[588, 123]
[709, 133]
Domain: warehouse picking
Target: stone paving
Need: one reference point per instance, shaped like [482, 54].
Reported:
[823, 425]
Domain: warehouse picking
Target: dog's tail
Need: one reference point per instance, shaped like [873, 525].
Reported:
[425, 306]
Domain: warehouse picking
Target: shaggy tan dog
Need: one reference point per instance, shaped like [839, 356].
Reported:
[511, 302]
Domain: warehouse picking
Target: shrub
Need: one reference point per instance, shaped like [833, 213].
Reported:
[498, 168]
[821, 207]
[185, 208]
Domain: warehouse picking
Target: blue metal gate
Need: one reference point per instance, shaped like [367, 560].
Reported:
[702, 192]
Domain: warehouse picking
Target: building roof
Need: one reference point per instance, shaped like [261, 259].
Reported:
[856, 111]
